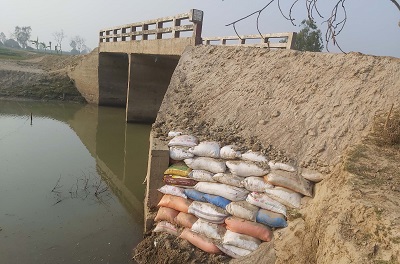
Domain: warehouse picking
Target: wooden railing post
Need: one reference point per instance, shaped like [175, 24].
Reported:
[196, 16]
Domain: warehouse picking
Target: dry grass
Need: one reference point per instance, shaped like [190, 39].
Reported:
[386, 129]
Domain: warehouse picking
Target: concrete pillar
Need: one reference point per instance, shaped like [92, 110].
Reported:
[149, 77]
[113, 78]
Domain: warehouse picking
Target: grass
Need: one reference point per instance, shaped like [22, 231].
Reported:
[14, 54]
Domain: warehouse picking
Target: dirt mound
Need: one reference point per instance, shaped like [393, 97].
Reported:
[314, 110]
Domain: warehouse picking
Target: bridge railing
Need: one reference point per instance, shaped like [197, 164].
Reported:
[155, 28]
[264, 39]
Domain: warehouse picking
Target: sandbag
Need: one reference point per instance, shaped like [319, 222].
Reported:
[179, 153]
[312, 175]
[206, 149]
[241, 240]
[185, 220]
[208, 212]
[180, 169]
[254, 156]
[256, 184]
[199, 241]
[232, 251]
[243, 209]
[164, 226]
[173, 190]
[249, 228]
[229, 152]
[195, 195]
[285, 196]
[174, 133]
[166, 214]
[205, 163]
[271, 219]
[246, 168]
[183, 141]
[201, 175]
[209, 230]
[262, 200]
[178, 203]
[229, 192]
[281, 166]
[290, 181]
[217, 200]
[229, 179]
[179, 181]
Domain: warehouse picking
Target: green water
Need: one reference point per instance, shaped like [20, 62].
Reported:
[70, 183]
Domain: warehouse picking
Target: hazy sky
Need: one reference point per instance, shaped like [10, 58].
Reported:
[372, 26]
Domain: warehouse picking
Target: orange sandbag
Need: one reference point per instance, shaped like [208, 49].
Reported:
[199, 241]
[178, 203]
[249, 228]
[185, 220]
[166, 214]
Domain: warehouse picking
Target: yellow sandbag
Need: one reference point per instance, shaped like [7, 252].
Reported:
[179, 169]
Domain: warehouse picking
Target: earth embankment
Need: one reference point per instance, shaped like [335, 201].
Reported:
[313, 110]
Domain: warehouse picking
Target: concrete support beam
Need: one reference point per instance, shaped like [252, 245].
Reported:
[149, 77]
[113, 78]
[158, 162]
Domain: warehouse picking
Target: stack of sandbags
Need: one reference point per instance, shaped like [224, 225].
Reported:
[226, 200]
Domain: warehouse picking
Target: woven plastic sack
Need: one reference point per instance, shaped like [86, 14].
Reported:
[249, 228]
[206, 149]
[229, 179]
[241, 240]
[229, 152]
[179, 153]
[285, 196]
[195, 195]
[183, 141]
[173, 190]
[290, 181]
[243, 210]
[256, 184]
[262, 200]
[271, 219]
[164, 226]
[179, 181]
[254, 156]
[185, 220]
[246, 168]
[166, 214]
[217, 200]
[178, 203]
[210, 230]
[205, 163]
[281, 166]
[312, 175]
[201, 175]
[180, 169]
[199, 241]
[229, 192]
[208, 212]
[232, 251]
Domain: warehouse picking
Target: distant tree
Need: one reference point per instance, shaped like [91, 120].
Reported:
[22, 35]
[2, 37]
[58, 37]
[12, 44]
[85, 50]
[309, 38]
[77, 43]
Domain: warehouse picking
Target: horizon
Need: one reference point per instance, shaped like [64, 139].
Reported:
[365, 32]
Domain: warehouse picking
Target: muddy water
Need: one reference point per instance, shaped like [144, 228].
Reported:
[70, 183]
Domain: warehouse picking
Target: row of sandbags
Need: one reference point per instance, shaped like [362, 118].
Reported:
[225, 200]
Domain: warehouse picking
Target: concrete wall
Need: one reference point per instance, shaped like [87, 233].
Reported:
[149, 78]
[85, 76]
[113, 79]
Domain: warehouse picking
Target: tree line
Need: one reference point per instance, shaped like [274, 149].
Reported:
[21, 39]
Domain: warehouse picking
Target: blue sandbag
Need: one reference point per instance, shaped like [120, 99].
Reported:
[217, 200]
[195, 195]
[270, 218]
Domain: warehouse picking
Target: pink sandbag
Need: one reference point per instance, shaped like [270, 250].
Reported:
[185, 220]
[178, 203]
[249, 228]
[166, 214]
[199, 241]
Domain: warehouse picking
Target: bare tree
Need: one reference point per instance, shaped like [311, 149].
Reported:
[335, 20]
[2, 37]
[78, 43]
[58, 37]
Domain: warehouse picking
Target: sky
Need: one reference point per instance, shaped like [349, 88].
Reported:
[372, 26]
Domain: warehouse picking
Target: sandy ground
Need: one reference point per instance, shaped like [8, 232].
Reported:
[313, 110]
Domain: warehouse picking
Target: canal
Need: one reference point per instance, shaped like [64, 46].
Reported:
[71, 183]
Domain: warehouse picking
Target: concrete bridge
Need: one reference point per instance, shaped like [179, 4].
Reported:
[134, 63]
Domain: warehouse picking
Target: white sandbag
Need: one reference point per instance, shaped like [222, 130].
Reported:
[173, 190]
[229, 179]
[290, 180]
[201, 175]
[254, 156]
[164, 226]
[243, 209]
[281, 166]
[229, 152]
[262, 200]
[229, 192]
[205, 163]
[256, 184]
[179, 153]
[285, 196]
[246, 168]
[208, 212]
[183, 141]
[312, 175]
[208, 229]
[206, 149]
[241, 241]
[174, 133]
[232, 251]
